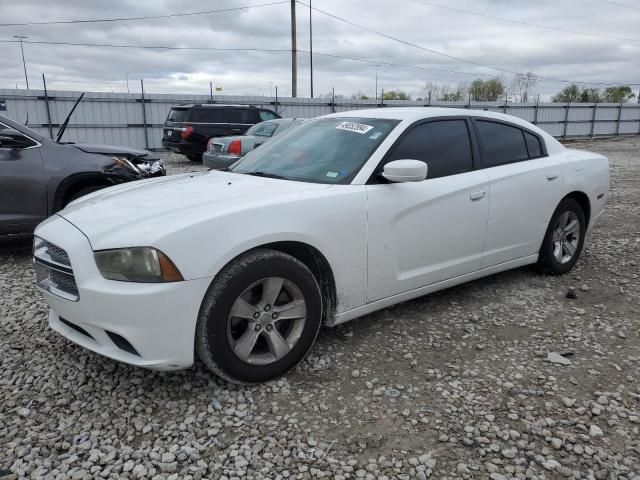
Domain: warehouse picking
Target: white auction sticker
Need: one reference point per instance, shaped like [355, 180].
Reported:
[354, 127]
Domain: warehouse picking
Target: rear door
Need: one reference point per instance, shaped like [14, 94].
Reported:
[421, 233]
[241, 119]
[525, 188]
[208, 122]
[23, 187]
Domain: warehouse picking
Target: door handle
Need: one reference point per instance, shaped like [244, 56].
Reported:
[477, 195]
[551, 176]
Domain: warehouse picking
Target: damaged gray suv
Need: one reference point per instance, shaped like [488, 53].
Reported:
[39, 176]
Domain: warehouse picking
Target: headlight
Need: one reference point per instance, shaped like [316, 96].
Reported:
[126, 163]
[138, 264]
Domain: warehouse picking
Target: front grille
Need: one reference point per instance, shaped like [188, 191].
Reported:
[53, 270]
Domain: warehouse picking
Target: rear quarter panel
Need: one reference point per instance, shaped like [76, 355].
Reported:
[589, 173]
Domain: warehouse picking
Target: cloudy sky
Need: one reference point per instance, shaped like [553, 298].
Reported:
[591, 56]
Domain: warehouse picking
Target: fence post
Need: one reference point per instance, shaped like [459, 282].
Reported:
[593, 119]
[210, 92]
[46, 104]
[619, 117]
[535, 113]
[566, 119]
[333, 99]
[144, 116]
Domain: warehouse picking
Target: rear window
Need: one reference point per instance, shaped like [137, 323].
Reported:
[264, 129]
[209, 115]
[533, 145]
[177, 115]
[267, 115]
[501, 143]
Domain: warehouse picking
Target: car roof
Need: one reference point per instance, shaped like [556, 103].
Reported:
[213, 105]
[413, 114]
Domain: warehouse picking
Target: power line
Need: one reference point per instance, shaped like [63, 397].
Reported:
[149, 17]
[619, 4]
[519, 22]
[451, 57]
[149, 47]
[281, 50]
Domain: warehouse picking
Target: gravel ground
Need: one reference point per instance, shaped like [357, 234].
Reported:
[452, 385]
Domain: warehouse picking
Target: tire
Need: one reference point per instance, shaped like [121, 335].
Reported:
[194, 157]
[245, 348]
[82, 192]
[560, 248]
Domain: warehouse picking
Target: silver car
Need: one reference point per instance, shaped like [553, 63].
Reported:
[222, 152]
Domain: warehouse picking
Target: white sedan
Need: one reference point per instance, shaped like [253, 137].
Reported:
[345, 215]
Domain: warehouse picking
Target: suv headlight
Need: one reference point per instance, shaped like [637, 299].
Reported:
[137, 264]
[126, 163]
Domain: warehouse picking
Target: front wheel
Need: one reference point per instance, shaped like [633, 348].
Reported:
[259, 318]
[564, 238]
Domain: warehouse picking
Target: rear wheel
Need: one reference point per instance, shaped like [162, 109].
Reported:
[259, 318]
[194, 157]
[564, 238]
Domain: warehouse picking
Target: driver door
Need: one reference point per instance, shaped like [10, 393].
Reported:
[421, 233]
[23, 187]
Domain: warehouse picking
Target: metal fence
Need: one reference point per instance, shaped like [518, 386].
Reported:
[136, 120]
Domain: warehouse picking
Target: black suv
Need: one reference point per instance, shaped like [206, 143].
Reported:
[188, 128]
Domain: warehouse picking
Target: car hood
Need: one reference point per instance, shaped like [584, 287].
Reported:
[113, 150]
[142, 212]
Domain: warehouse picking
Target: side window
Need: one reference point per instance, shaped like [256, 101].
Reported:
[267, 115]
[533, 145]
[208, 115]
[241, 115]
[444, 145]
[501, 143]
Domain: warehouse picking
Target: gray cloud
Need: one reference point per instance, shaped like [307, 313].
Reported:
[481, 40]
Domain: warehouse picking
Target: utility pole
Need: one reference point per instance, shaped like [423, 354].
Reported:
[24, 65]
[294, 60]
[127, 82]
[311, 47]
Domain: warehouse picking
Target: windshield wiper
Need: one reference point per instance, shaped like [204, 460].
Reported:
[265, 174]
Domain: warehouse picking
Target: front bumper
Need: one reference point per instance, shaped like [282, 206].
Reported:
[218, 161]
[157, 321]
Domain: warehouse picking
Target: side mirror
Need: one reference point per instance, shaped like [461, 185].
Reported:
[400, 171]
[10, 138]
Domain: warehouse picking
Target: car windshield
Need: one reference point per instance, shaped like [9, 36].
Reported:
[326, 150]
[264, 129]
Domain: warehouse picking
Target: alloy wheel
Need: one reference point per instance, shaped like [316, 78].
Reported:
[566, 237]
[266, 321]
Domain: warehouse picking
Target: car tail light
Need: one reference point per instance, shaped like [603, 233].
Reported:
[186, 132]
[235, 148]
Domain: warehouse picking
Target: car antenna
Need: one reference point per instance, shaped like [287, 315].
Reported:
[63, 127]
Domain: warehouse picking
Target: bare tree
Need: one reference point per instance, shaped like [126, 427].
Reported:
[523, 84]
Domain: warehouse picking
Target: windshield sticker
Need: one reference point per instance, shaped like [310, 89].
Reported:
[354, 127]
[375, 135]
[332, 174]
